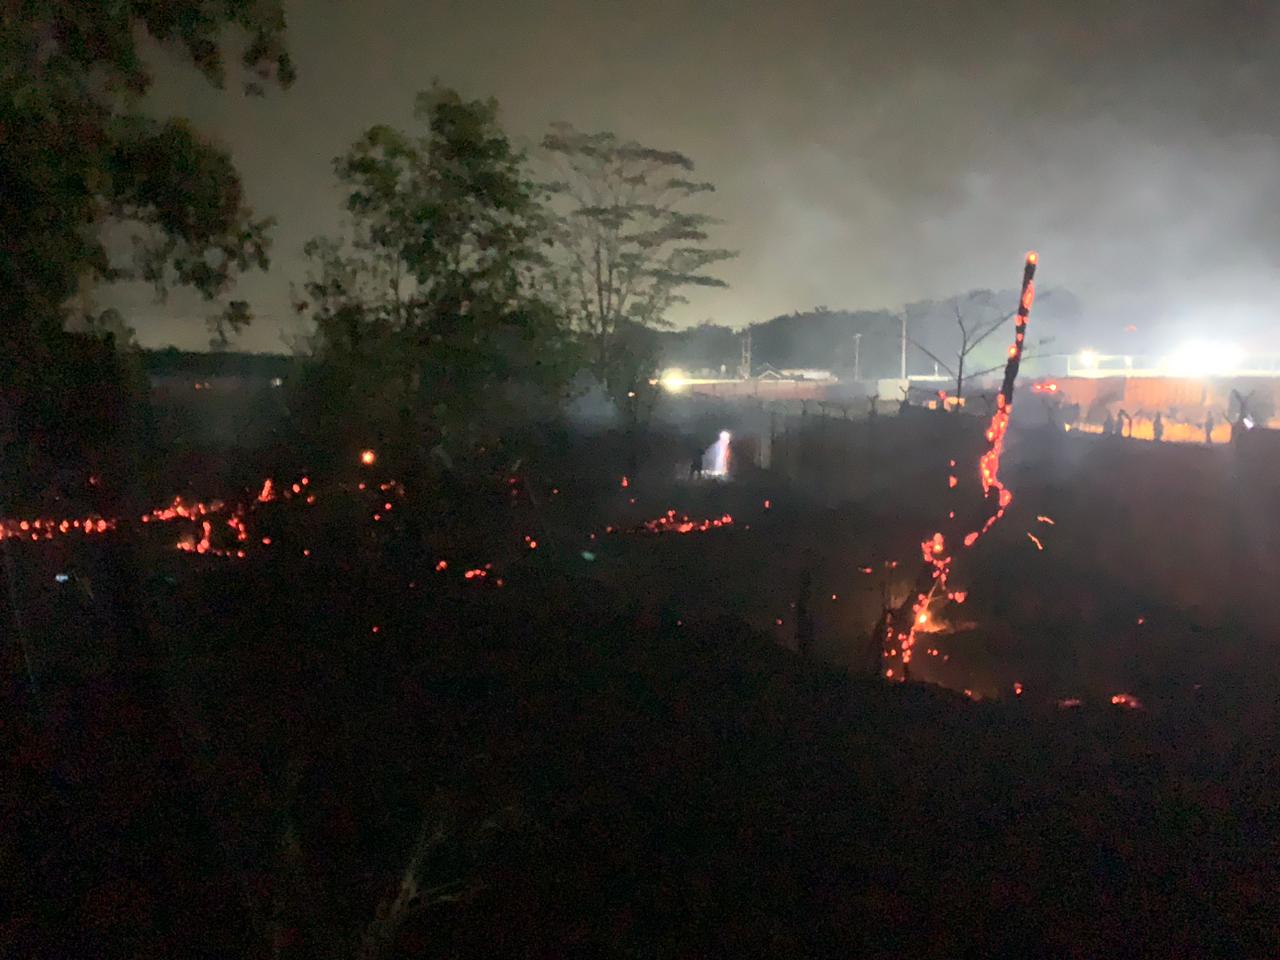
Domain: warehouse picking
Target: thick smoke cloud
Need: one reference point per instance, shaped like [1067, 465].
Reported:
[867, 154]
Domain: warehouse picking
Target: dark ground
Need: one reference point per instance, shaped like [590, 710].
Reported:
[600, 760]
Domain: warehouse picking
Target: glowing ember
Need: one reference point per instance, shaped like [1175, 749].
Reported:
[49, 528]
[670, 522]
[932, 581]
[1036, 540]
[1127, 700]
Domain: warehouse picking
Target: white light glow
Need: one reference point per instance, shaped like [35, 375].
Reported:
[1204, 358]
[674, 380]
[719, 456]
[1089, 358]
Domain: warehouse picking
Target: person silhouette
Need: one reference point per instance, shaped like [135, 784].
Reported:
[695, 460]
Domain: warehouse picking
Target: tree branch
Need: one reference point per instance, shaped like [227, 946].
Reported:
[932, 356]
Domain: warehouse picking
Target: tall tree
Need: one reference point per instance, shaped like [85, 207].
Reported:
[631, 244]
[432, 312]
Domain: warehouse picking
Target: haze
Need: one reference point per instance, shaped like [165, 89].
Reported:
[864, 154]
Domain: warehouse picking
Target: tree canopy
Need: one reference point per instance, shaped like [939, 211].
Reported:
[78, 157]
[433, 310]
[85, 172]
[630, 243]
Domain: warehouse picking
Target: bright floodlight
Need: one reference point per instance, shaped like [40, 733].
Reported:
[1202, 359]
[1089, 359]
[674, 379]
[367, 457]
[719, 456]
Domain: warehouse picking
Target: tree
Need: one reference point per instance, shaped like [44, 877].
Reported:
[431, 316]
[78, 158]
[84, 172]
[629, 245]
[977, 317]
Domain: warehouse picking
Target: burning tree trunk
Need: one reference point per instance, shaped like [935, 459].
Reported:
[898, 625]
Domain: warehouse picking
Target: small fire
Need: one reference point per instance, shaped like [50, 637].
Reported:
[937, 559]
[368, 458]
[670, 522]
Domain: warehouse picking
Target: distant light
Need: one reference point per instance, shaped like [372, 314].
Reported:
[1032, 257]
[62, 577]
[588, 555]
[368, 457]
[1204, 358]
[277, 382]
[674, 380]
[1089, 359]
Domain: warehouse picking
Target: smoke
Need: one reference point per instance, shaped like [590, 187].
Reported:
[866, 155]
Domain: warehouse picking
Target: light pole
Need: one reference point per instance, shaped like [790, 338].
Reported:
[857, 357]
[903, 318]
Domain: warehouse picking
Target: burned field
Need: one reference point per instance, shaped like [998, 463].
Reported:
[578, 714]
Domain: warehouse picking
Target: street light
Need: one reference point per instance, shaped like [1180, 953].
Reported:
[674, 380]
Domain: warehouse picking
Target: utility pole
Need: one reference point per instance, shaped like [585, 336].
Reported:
[744, 366]
[903, 318]
[857, 357]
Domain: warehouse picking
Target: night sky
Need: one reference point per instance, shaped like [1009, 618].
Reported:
[865, 154]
